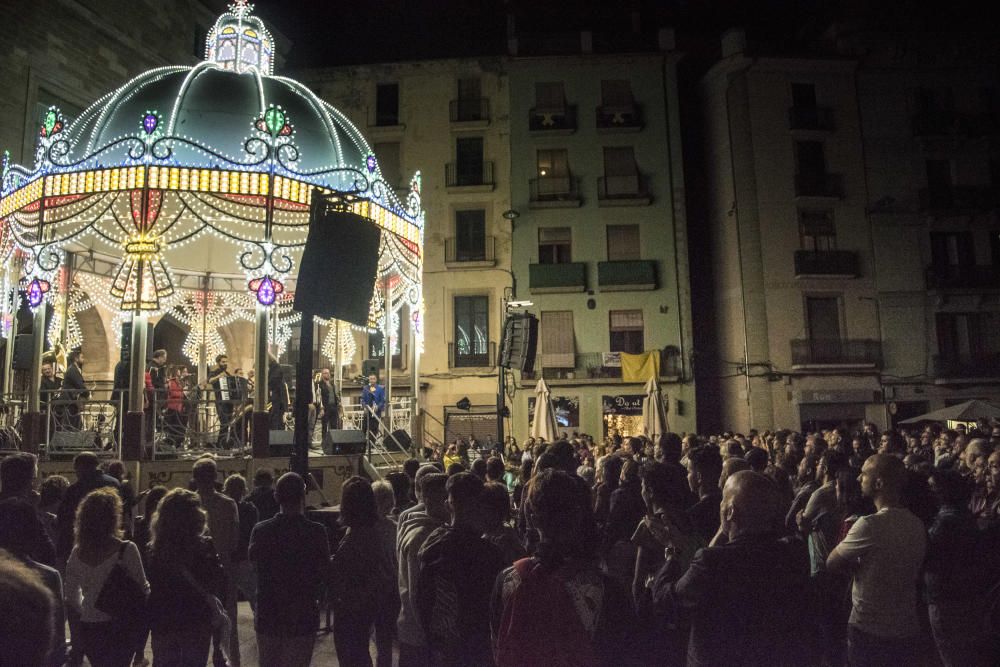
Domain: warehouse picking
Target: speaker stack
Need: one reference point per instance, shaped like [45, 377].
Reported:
[344, 441]
[519, 343]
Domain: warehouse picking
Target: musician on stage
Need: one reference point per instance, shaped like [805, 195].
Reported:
[223, 382]
[329, 401]
[373, 402]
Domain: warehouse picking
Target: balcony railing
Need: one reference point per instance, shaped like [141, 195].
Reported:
[638, 274]
[837, 352]
[619, 117]
[592, 366]
[459, 175]
[459, 253]
[628, 188]
[569, 277]
[966, 366]
[480, 356]
[810, 118]
[962, 276]
[819, 185]
[555, 119]
[960, 198]
[934, 123]
[469, 109]
[555, 190]
[826, 264]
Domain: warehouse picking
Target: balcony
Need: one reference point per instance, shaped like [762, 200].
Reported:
[598, 368]
[627, 190]
[628, 275]
[810, 118]
[934, 123]
[553, 120]
[555, 278]
[960, 198]
[473, 177]
[618, 118]
[470, 111]
[823, 185]
[965, 367]
[836, 353]
[482, 356]
[555, 192]
[464, 257]
[826, 264]
[962, 276]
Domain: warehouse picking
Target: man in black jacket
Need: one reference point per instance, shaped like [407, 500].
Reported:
[88, 478]
[747, 593]
[329, 401]
[74, 389]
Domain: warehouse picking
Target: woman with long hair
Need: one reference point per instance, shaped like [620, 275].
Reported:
[184, 576]
[98, 547]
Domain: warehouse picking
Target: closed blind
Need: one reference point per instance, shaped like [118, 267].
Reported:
[558, 344]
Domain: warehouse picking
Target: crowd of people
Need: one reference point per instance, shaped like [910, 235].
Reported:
[778, 548]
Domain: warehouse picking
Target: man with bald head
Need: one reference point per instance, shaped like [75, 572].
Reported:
[884, 551]
[746, 594]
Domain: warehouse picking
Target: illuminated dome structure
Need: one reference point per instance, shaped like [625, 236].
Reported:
[192, 187]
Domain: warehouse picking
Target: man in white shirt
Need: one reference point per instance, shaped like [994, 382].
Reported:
[885, 552]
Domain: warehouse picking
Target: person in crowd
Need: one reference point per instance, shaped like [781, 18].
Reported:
[819, 521]
[805, 484]
[175, 410]
[291, 556]
[186, 580]
[415, 525]
[363, 579]
[98, 547]
[757, 458]
[496, 516]
[609, 473]
[117, 471]
[731, 466]
[992, 517]
[884, 551]
[224, 528]
[410, 467]
[74, 389]
[426, 469]
[17, 473]
[704, 470]
[746, 563]
[495, 470]
[86, 465]
[400, 482]
[457, 571]
[626, 511]
[562, 581]
[50, 388]
[242, 570]
[956, 601]
[373, 403]
[17, 525]
[262, 495]
[478, 468]
[50, 495]
[27, 615]
[451, 456]
[523, 477]
[385, 500]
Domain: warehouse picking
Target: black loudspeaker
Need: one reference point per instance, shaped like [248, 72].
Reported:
[280, 443]
[126, 342]
[339, 262]
[370, 367]
[344, 441]
[398, 441]
[519, 343]
[23, 345]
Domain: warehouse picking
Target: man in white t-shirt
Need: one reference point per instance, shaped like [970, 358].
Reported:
[885, 552]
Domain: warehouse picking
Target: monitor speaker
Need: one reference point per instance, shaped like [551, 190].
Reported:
[370, 367]
[398, 441]
[344, 441]
[23, 345]
[280, 443]
[519, 343]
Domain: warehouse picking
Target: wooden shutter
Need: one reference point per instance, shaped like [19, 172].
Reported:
[558, 344]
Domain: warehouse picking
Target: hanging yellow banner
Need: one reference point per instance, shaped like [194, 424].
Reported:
[640, 367]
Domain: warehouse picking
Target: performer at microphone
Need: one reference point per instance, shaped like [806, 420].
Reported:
[373, 401]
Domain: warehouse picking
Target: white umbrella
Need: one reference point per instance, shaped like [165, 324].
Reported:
[544, 424]
[654, 417]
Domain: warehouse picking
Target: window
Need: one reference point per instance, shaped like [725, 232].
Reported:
[470, 235]
[469, 105]
[550, 97]
[469, 161]
[387, 104]
[558, 344]
[626, 331]
[623, 242]
[376, 346]
[554, 245]
[621, 176]
[967, 336]
[389, 162]
[553, 172]
[803, 96]
[823, 317]
[995, 246]
[952, 249]
[816, 230]
[616, 95]
[472, 335]
[809, 158]
[939, 188]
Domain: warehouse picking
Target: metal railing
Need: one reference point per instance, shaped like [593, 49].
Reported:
[482, 357]
[836, 352]
[611, 117]
[810, 118]
[963, 276]
[627, 186]
[459, 175]
[552, 119]
[826, 263]
[458, 253]
[965, 366]
[555, 188]
[466, 109]
[819, 185]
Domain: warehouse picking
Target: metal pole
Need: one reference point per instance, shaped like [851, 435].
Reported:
[415, 382]
[13, 271]
[68, 287]
[338, 361]
[137, 362]
[303, 396]
[260, 361]
[38, 347]
[387, 348]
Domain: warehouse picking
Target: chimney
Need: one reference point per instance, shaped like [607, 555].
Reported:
[734, 42]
